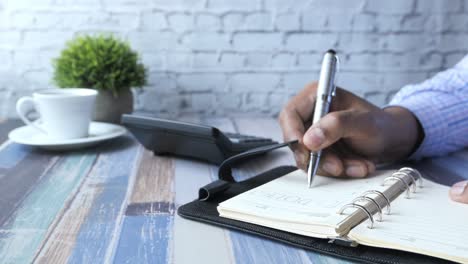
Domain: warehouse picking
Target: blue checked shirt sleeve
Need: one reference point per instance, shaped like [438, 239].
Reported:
[441, 106]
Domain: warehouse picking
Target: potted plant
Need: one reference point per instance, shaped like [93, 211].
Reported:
[106, 64]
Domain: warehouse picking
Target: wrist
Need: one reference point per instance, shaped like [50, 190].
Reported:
[403, 134]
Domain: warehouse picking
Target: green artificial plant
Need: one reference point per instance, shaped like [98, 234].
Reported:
[100, 62]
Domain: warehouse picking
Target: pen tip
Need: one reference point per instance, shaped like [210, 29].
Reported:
[332, 51]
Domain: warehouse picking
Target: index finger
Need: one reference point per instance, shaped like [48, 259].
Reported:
[293, 128]
[304, 102]
[297, 112]
[293, 119]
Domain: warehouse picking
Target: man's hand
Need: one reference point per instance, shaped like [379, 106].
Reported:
[356, 133]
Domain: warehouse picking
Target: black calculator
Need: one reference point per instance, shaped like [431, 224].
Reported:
[169, 137]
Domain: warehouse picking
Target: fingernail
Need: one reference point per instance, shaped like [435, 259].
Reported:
[355, 171]
[329, 167]
[317, 137]
[459, 188]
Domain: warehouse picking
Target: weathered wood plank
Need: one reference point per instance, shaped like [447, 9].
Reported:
[108, 183]
[252, 249]
[12, 153]
[154, 180]
[148, 221]
[37, 212]
[145, 239]
[216, 245]
[189, 177]
[87, 229]
[20, 169]
[6, 126]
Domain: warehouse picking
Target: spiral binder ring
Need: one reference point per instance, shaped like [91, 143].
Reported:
[406, 176]
[413, 181]
[357, 206]
[414, 171]
[365, 198]
[401, 180]
[379, 193]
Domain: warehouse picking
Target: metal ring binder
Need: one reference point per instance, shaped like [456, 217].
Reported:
[380, 194]
[405, 176]
[353, 205]
[418, 174]
[401, 180]
[361, 198]
[413, 181]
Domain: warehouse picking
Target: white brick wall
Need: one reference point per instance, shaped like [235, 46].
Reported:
[226, 57]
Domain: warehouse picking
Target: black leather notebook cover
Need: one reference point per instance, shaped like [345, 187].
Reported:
[204, 210]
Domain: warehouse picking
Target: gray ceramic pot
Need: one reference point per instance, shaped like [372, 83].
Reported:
[109, 108]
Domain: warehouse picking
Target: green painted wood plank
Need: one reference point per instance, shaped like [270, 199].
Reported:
[23, 234]
[20, 169]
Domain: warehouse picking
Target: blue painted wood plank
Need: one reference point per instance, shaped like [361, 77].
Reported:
[145, 239]
[11, 154]
[107, 185]
[24, 232]
[252, 249]
[148, 222]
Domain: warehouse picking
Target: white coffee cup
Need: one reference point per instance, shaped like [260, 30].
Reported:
[63, 113]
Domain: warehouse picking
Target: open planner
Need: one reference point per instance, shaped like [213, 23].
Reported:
[391, 209]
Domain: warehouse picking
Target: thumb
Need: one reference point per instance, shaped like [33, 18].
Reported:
[459, 192]
[336, 125]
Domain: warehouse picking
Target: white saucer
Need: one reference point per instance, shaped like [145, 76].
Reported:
[98, 132]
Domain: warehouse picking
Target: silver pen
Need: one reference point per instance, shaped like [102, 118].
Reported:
[325, 92]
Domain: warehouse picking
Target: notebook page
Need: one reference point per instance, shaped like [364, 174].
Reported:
[429, 223]
[288, 204]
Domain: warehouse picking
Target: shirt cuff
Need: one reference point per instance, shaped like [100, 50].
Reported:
[425, 108]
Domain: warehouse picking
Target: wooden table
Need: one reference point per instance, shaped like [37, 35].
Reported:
[117, 203]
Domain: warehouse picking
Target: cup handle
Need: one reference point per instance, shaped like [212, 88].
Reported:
[22, 110]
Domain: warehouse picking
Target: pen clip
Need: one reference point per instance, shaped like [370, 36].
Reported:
[337, 58]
